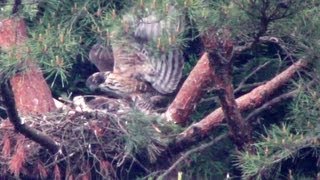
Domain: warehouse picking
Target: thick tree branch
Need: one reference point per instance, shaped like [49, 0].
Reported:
[249, 101]
[220, 48]
[240, 133]
[191, 91]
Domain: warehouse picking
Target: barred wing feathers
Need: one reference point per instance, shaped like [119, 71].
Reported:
[162, 70]
[165, 68]
[134, 60]
[166, 71]
[128, 60]
[154, 26]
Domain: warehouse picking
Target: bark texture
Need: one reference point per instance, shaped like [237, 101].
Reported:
[13, 32]
[249, 101]
[239, 131]
[191, 91]
[31, 92]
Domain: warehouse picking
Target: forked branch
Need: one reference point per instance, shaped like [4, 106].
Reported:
[249, 101]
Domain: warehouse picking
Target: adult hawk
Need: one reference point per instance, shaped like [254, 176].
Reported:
[141, 72]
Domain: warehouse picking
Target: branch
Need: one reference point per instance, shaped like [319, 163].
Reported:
[33, 134]
[242, 83]
[16, 6]
[249, 101]
[31, 92]
[191, 91]
[276, 100]
[188, 153]
[262, 39]
[239, 131]
[269, 104]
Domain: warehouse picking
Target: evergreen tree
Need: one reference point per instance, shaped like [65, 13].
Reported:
[242, 55]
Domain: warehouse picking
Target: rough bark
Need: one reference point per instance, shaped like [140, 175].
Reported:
[239, 131]
[220, 47]
[249, 101]
[12, 32]
[31, 92]
[191, 91]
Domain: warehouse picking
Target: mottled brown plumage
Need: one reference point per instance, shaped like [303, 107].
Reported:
[102, 57]
[141, 73]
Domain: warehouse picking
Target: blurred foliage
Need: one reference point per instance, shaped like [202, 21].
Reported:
[147, 135]
[212, 163]
[62, 32]
[282, 147]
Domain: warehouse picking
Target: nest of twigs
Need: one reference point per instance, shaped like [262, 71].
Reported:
[96, 143]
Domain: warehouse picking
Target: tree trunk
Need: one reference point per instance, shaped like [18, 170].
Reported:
[31, 92]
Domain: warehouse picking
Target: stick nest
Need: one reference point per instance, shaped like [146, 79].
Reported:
[93, 141]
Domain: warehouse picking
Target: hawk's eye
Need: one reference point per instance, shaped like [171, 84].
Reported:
[99, 79]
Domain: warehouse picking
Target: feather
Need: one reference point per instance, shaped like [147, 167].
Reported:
[140, 71]
[102, 57]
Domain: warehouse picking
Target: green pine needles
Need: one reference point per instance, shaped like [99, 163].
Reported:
[296, 140]
[279, 144]
[146, 133]
[61, 34]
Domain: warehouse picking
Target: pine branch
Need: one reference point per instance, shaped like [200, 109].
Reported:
[16, 6]
[244, 80]
[240, 133]
[222, 65]
[270, 103]
[263, 39]
[275, 101]
[41, 138]
[30, 89]
[251, 100]
[191, 91]
[188, 153]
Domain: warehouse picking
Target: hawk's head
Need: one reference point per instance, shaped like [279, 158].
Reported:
[100, 81]
[115, 85]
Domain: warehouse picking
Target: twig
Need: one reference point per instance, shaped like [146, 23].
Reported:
[262, 39]
[277, 100]
[270, 103]
[250, 86]
[249, 76]
[188, 153]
